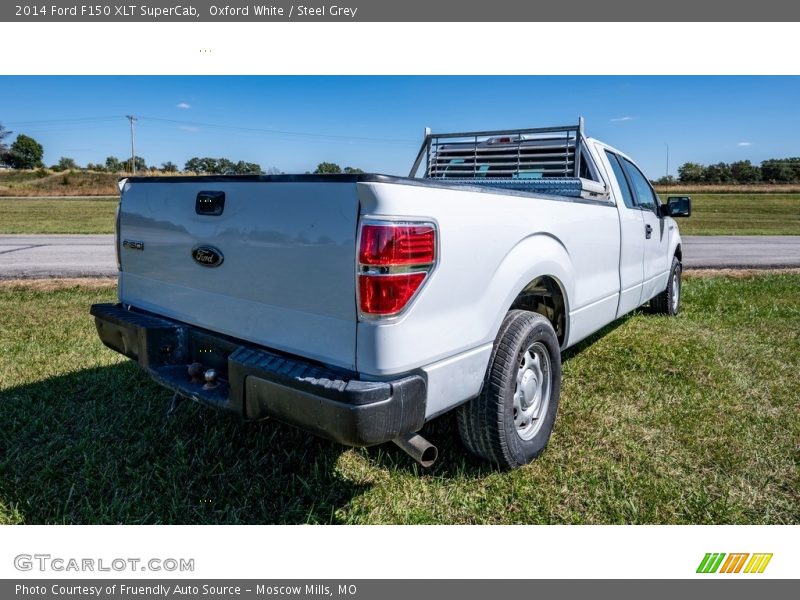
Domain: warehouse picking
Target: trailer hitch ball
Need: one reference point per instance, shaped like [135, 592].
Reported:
[195, 371]
[210, 376]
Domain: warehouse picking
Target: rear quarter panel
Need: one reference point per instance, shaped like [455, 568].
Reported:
[491, 246]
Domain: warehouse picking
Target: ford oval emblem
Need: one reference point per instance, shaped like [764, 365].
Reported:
[208, 256]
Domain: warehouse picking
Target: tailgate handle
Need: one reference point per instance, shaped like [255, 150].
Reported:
[210, 203]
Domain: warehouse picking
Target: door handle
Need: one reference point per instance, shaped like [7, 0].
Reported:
[648, 231]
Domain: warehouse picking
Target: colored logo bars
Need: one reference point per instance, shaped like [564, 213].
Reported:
[713, 563]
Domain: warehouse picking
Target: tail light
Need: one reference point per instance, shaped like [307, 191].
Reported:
[117, 216]
[116, 235]
[394, 259]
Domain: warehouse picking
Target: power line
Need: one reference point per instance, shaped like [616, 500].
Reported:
[282, 132]
[64, 120]
[77, 121]
[71, 128]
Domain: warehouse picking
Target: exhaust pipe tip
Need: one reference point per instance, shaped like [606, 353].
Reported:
[418, 448]
[429, 456]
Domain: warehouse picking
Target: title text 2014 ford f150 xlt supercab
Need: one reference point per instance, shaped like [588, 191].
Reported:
[358, 307]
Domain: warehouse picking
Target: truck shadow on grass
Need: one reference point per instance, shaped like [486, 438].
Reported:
[95, 446]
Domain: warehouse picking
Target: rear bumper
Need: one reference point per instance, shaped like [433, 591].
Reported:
[257, 383]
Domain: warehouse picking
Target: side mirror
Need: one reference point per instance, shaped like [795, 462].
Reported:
[677, 206]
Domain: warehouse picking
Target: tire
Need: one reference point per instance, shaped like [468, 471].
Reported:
[668, 302]
[510, 422]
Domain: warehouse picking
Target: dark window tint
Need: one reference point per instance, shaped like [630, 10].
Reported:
[586, 171]
[644, 194]
[619, 175]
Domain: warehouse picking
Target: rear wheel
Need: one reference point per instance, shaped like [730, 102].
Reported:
[668, 302]
[510, 422]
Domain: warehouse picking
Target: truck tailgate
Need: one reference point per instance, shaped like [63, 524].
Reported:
[287, 275]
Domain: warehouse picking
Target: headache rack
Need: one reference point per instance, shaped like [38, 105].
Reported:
[545, 160]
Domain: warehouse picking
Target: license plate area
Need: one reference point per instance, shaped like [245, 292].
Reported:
[210, 351]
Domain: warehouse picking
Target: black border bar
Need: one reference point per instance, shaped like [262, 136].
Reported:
[532, 11]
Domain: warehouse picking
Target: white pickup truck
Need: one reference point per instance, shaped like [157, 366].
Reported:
[358, 307]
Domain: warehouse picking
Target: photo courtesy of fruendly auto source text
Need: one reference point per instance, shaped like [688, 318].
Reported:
[419, 264]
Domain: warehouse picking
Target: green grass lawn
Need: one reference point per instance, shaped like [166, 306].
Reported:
[686, 420]
[713, 214]
[57, 215]
[742, 214]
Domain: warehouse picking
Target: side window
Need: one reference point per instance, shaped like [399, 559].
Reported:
[619, 175]
[586, 171]
[645, 196]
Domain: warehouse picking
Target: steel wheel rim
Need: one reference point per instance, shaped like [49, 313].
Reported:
[676, 291]
[532, 390]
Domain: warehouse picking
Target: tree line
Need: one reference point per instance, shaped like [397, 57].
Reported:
[773, 170]
[27, 153]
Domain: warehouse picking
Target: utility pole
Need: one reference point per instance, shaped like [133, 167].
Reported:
[131, 118]
[667, 145]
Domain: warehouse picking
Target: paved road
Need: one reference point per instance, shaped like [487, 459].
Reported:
[57, 256]
[737, 252]
[93, 255]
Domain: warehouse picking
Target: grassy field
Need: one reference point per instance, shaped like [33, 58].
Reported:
[686, 420]
[43, 182]
[713, 214]
[742, 214]
[715, 188]
[57, 215]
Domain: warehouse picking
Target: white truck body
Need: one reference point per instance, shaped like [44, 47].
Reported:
[288, 278]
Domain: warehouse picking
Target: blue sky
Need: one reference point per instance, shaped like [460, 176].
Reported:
[376, 123]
